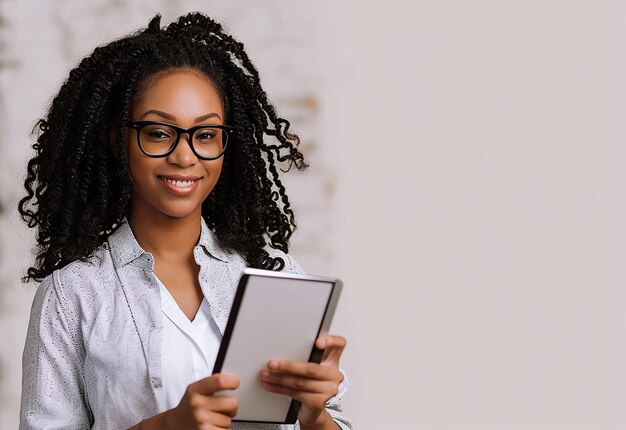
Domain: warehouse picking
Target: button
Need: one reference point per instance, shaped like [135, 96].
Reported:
[156, 382]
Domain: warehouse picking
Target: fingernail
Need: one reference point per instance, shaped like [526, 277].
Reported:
[265, 374]
[272, 365]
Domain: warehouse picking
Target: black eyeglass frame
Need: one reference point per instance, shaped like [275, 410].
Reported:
[138, 125]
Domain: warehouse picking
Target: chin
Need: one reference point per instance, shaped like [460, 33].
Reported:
[179, 212]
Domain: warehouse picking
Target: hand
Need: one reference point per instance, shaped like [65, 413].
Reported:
[311, 384]
[201, 409]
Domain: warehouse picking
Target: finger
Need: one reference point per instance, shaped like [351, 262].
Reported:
[228, 405]
[301, 396]
[298, 383]
[213, 383]
[218, 420]
[334, 347]
[330, 341]
[331, 357]
[301, 368]
[222, 404]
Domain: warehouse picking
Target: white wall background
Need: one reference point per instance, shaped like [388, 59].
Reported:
[467, 185]
[482, 231]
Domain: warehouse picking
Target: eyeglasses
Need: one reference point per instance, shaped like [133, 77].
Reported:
[159, 139]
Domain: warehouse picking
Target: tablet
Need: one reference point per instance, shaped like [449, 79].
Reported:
[274, 316]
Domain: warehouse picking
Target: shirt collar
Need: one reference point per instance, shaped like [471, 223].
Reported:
[125, 248]
[209, 243]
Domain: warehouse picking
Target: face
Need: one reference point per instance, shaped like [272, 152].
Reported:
[175, 185]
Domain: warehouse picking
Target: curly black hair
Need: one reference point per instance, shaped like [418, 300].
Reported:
[78, 190]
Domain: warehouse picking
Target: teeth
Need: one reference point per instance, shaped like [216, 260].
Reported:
[178, 183]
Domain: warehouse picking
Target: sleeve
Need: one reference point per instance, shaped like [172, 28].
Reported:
[333, 406]
[292, 266]
[53, 395]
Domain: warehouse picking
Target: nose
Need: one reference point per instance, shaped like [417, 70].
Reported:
[182, 155]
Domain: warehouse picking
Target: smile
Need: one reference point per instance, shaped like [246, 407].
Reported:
[179, 186]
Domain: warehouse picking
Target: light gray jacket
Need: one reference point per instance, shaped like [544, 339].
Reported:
[92, 355]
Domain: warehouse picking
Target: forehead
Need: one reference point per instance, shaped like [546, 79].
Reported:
[181, 93]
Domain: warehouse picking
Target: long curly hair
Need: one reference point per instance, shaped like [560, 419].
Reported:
[78, 191]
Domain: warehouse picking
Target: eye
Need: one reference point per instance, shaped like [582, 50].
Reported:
[158, 134]
[206, 135]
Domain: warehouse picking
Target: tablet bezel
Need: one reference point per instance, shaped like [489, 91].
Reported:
[315, 355]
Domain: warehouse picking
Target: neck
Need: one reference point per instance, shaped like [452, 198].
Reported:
[166, 237]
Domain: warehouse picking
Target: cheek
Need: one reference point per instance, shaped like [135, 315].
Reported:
[213, 171]
[133, 164]
[219, 167]
[140, 167]
[214, 168]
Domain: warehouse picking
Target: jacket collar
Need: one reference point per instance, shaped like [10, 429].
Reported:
[125, 248]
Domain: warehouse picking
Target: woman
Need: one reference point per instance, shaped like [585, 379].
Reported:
[151, 189]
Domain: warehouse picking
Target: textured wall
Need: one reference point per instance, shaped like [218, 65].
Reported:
[41, 40]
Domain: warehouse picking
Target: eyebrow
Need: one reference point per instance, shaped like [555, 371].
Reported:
[173, 118]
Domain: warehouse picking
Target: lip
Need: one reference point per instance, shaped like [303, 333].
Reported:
[180, 177]
[180, 191]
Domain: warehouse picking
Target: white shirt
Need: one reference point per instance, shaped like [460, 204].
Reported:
[92, 357]
[188, 349]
